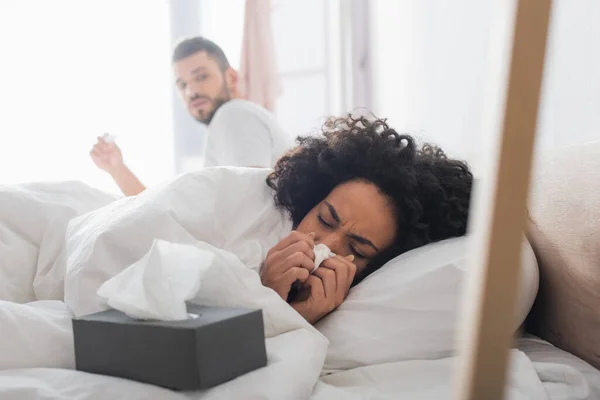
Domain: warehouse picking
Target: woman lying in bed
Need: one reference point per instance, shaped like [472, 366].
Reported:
[368, 194]
[361, 189]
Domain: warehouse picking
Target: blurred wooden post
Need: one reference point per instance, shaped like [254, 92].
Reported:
[498, 220]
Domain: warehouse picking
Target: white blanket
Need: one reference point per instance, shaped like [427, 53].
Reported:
[33, 220]
[294, 360]
[217, 209]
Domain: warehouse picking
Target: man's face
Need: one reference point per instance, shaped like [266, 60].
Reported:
[203, 86]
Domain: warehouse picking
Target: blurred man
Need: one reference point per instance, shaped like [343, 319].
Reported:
[240, 133]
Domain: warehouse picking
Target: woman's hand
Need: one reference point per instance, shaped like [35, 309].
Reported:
[326, 289]
[290, 260]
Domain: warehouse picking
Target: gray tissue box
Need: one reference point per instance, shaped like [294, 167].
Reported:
[217, 346]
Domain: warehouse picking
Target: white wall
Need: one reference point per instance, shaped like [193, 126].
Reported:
[223, 22]
[189, 136]
[571, 97]
[72, 70]
[430, 70]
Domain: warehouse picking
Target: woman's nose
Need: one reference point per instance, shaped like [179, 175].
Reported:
[332, 241]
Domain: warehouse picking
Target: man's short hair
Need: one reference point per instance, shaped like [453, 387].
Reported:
[193, 45]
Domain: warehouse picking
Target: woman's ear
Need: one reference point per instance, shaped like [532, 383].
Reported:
[232, 80]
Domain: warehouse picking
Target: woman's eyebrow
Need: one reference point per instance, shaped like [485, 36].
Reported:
[358, 238]
[333, 212]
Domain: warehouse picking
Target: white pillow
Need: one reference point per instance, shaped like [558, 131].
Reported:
[408, 309]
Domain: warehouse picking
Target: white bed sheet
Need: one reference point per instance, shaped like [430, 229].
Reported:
[412, 379]
[552, 360]
[540, 371]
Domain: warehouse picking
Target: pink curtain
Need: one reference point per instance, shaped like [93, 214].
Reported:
[258, 80]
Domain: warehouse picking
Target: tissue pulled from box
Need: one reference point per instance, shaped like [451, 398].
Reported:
[158, 285]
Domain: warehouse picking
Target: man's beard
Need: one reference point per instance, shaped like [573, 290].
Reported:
[223, 98]
[217, 103]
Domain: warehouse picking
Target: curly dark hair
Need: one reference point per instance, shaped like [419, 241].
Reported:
[430, 192]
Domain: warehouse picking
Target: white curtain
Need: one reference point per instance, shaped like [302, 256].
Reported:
[307, 39]
[72, 70]
[258, 78]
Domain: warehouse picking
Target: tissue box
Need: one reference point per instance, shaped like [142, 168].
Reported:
[217, 346]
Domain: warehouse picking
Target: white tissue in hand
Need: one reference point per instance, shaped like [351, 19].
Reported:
[108, 138]
[158, 285]
[322, 253]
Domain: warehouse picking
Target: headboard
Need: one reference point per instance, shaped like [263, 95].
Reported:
[565, 235]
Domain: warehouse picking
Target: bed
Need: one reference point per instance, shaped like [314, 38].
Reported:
[565, 377]
[355, 353]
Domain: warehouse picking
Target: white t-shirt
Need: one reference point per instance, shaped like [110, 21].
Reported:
[244, 134]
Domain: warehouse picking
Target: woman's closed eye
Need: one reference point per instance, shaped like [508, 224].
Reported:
[357, 253]
[331, 225]
[323, 221]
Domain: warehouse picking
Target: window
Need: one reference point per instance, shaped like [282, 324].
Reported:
[306, 34]
[72, 70]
